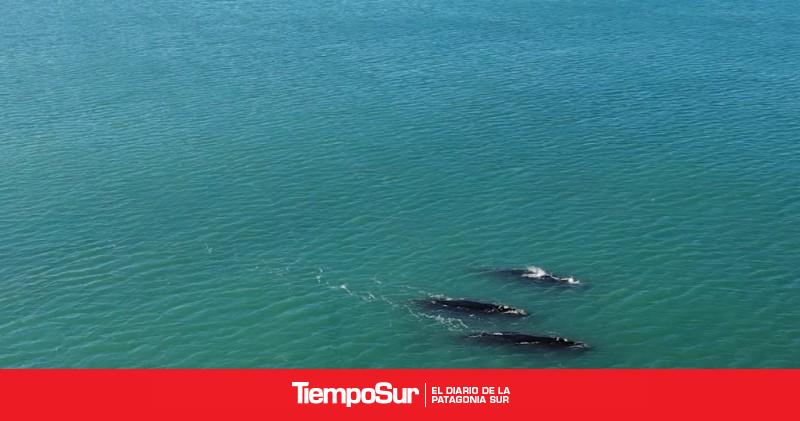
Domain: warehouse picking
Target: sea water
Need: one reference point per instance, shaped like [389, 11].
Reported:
[272, 183]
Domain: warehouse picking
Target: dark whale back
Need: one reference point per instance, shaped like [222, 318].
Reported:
[471, 306]
[516, 338]
[532, 273]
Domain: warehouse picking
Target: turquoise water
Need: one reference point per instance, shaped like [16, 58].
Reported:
[268, 184]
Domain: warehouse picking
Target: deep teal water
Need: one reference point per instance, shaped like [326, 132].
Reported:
[268, 183]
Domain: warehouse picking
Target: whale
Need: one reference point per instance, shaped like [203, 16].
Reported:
[523, 339]
[469, 306]
[536, 274]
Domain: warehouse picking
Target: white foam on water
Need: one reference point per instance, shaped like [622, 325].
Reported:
[535, 272]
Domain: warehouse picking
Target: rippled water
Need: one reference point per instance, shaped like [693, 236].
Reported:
[269, 184]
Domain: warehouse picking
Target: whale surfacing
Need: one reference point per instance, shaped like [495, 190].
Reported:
[538, 274]
[516, 338]
[471, 306]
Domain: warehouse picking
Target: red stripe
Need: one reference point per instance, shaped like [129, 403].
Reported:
[268, 394]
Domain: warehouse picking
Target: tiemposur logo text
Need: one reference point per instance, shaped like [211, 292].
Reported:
[382, 394]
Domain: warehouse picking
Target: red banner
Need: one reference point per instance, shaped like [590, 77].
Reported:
[395, 394]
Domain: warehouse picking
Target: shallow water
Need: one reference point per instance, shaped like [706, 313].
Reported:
[270, 184]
